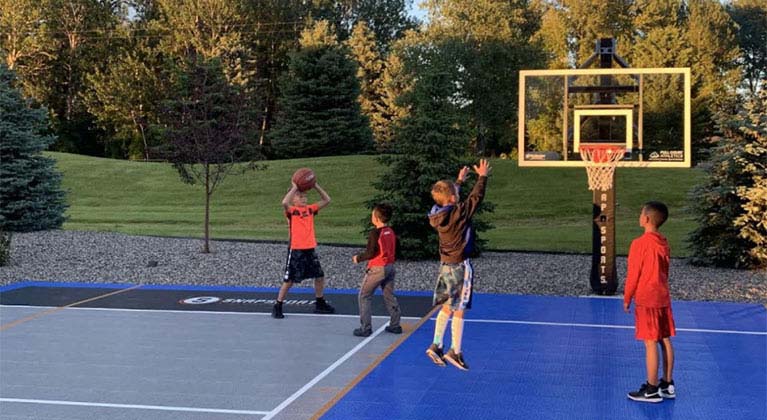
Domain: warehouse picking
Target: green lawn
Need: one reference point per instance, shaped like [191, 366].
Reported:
[536, 209]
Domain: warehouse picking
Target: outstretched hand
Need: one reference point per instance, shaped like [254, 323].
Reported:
[463, 173]
[483, 169]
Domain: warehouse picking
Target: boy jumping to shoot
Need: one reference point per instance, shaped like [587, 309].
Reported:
[452, 220]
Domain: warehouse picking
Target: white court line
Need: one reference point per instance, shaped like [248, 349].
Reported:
[142, 407]
[323, 374]
[176, 311]
[556, 324]
[600, 297]
[620, 327]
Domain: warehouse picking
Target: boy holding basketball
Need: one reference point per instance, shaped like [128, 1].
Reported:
[380, 255]
[647, 285]
[452, 220]
[302, 262]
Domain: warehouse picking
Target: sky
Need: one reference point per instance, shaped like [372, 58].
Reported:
[416, 11]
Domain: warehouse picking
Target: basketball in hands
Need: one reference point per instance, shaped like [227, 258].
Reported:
[304, 179]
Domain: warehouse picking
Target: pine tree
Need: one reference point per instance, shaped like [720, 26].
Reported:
[731, 205]
[31, 197]
[751, 126]
[362, 46]
[430, 144]
[319, 111]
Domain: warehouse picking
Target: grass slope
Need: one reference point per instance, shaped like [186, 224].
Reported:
[537, 209]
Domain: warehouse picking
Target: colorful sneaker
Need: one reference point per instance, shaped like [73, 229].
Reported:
[646, 393]
[436, 356]
[394, 330]
[666, 389]
[359, 332]
[322, 307]
[277, 311]
[456, 359]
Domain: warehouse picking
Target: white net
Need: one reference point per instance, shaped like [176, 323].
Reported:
[600, 164]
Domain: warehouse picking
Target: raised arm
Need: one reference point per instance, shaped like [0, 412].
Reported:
[324, 197]
[471, 204]
[462, 174]
[287, 201]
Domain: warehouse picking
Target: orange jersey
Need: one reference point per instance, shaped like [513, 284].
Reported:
[301, 220]
[647, 277]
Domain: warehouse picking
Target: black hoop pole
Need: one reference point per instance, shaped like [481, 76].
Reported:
[604, 275]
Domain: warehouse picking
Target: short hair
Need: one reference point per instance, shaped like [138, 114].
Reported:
[442, 191]
[656, 211]
[383, 212]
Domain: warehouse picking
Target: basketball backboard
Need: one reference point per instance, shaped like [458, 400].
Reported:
[647, 110]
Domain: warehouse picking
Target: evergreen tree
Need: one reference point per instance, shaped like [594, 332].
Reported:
[731, 205]
[319, 111]
[31, 197]
[362, 46]
[430, 144]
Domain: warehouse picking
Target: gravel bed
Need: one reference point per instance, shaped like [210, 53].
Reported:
[97, 257]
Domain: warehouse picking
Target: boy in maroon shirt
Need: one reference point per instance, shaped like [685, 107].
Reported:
[380, 255]
[647, 285]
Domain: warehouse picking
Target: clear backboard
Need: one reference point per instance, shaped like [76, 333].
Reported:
[644, 110]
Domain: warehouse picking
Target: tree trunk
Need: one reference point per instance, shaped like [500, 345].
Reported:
[206, 245]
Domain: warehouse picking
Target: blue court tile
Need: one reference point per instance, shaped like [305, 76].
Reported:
[564, 372]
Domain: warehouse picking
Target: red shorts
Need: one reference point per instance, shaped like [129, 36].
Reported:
[653, 323]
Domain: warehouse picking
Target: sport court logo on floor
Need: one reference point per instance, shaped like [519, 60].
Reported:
[200, 300]
[204, 300]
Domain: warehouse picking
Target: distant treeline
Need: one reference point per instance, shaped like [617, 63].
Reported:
[106, 70]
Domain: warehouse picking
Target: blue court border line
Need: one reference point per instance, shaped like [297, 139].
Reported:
[200, 288]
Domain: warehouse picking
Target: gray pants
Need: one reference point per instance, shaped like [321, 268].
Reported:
[376, 277]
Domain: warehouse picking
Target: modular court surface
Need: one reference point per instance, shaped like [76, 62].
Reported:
[116, 351]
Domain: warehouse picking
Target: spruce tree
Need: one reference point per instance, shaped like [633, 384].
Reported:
[31, 197]
[430, 144]
[731, 205]
[319, 111]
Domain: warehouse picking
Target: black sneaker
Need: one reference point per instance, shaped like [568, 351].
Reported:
[359, 332]
[322, 307]
[436, 356]
[646, 393]
[277, 311]
[666, 389]
[456, 359]
[394, 330]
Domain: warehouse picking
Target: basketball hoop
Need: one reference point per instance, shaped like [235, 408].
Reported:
[601, 160]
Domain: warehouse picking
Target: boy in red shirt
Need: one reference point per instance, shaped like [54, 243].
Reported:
[647, 284]
[380, 253]
[302, 260]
